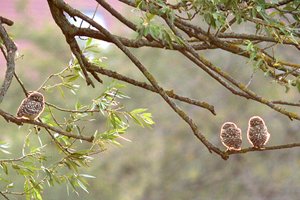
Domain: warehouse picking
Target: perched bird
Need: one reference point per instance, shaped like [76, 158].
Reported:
[257, 132]
[231, 136]
[32, 106]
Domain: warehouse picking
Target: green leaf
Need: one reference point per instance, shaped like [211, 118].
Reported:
[11, 185]
[26, 188]
[14, 166]
[138, 110]
[73, 184]
[48, 119]
[82, 186]
[298, 84]
[73, 78]
[136, 119]
[258, 8]
[87, 176]
[37, 194]
[79, 106]
[4, 167]
[49, 174]
[4, 151]
[61, 91]
[147, 117]
[88, 42]
[3, 147]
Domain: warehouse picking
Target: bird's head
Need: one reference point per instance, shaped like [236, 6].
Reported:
[256, 121]
[36, 96]
[228, 125]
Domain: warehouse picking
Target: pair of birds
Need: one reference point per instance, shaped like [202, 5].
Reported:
[257, 134]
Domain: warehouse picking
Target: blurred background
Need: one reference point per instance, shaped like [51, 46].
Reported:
[166, 161]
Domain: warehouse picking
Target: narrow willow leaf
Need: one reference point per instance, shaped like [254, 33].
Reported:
[82, 186]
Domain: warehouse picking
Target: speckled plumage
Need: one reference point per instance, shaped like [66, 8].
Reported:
[32, 106]
[257, 132]
[231, 136]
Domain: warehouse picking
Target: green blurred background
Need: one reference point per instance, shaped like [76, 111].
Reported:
[167, 161]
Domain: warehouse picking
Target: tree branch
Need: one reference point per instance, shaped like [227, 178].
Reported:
[93, 68]
[134, 43]
[4, 196]
[10, 60]
[196, 31]
[6, 21]
[68, 31]
[146, 86]
[20, 121]
[18, 159]
[188, 50]
[62, 5]
[251, 149]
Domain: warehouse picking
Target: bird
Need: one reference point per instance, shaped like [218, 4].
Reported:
[231, 136]
[32, 106]
[257, 132]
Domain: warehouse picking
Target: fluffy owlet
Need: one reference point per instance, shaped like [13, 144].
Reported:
[257, 133]
[231, 136]
[32, 106]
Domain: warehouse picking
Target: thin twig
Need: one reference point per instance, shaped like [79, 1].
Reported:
[20, 121]
[71, 111]
[21, 84]
[251, 149]
[286, 103]
[51, 76]
[5, 197]
[18, 159]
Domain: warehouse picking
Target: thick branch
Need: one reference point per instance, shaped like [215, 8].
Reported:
[68, 31]
[138, 43]
[6, 21]
[10, 61]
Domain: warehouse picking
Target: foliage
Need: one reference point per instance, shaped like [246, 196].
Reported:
[36, 164]
[96, 120]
